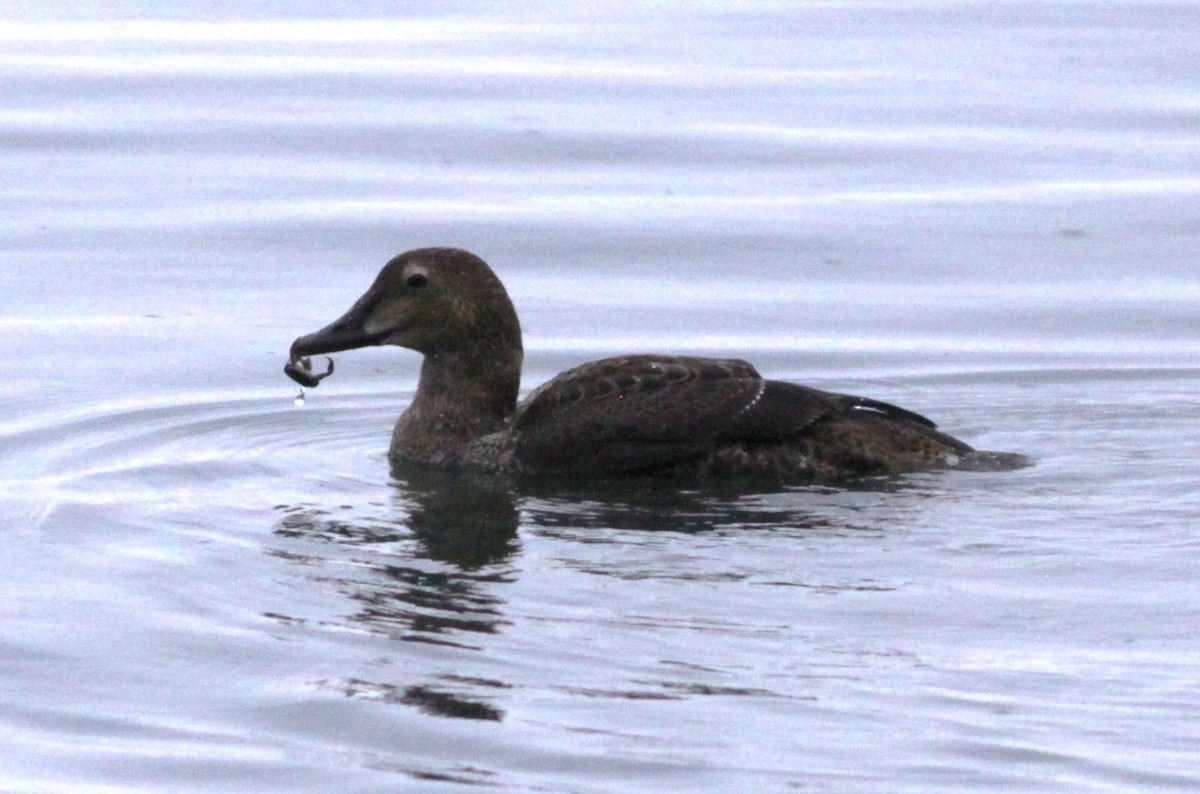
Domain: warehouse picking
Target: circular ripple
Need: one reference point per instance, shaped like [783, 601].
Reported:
[203, 449]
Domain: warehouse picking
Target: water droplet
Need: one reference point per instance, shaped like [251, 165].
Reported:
[300, 398]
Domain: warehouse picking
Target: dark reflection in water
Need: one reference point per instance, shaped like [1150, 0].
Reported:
[432, 564]
[426, 572]
[467, 521]
[667, 504]
[653, 509]
[439, 702]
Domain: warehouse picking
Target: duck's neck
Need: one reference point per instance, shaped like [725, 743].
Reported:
[460, 397]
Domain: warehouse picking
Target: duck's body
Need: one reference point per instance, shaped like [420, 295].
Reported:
[626, 415]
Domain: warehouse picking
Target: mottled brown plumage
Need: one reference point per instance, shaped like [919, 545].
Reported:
[625, 415]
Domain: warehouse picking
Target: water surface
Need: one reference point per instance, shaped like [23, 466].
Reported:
[983, 212]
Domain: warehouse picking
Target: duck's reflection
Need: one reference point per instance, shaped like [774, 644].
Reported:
[428, 570]
[684, 505]
[467, 521]
[439, 702]
[433, 563]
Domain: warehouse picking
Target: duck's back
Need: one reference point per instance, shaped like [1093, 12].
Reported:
[684, 414]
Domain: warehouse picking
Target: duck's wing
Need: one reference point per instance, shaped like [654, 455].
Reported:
[636, 413]
[787, 411]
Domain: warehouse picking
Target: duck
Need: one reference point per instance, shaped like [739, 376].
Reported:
[641, 414]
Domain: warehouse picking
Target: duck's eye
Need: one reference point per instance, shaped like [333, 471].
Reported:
[417, 280]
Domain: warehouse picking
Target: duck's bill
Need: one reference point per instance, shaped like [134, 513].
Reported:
[344, 333]
[333, 339]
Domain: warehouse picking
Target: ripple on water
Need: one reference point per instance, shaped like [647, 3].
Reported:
[189, 449]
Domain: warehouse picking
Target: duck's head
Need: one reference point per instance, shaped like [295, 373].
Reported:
[437, 301]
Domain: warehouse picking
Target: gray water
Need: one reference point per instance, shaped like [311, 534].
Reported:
[985, 212]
